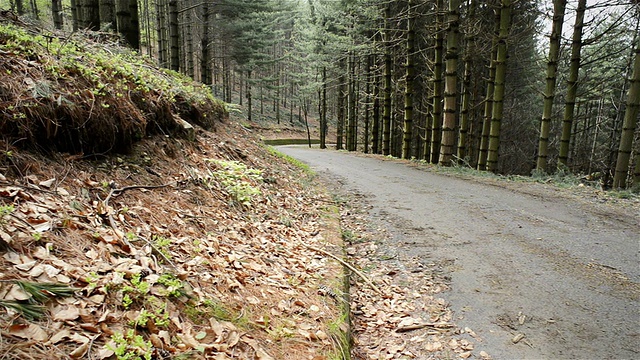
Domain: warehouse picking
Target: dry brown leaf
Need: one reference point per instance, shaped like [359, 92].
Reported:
[29, 332]
[80, 351]
[65, 313]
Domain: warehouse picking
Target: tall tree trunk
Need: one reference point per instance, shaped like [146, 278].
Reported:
[628, 126]
[56, 12]
[128, 22]
[323, 114]
[91, 14]
[572, 85]
[375, 128]
[550, 91]
[34, 9]
[466, 86]
[249, 102]
[386, 114]
[351, 103]
[451, 85]
[107, 11]
[174, 35]
[20, 7]
[162, 33]
[205, 66]
[488, 101]
[74, 14]
[436, 125]
[407, 129]
[341, 95]
[188, 17]
[498, 95]
[367, 100]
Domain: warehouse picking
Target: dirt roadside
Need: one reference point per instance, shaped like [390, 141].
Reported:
[534, 271]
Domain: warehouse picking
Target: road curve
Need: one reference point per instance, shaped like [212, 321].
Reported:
[561, 271]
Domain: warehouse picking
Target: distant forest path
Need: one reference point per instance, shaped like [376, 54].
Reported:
[523, 258]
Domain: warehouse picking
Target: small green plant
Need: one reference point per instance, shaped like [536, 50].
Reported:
[4, 211]
[130, 346]
[159, 317]
[174, 285]
[162, 244]
[237, 179]
[138, 289]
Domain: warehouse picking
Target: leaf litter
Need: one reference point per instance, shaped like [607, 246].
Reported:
[162, 260]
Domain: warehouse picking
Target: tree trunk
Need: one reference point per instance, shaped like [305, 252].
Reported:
[57, 14]
[34, 9]
[466, 85]
[436, 125]
[340, 125]
[407, 129]
[498, 95]
[549, 94]
[188, 17]
[20, 7]
[351, 104]
[128, 22]
[386, 114]
[107, 9]
[488, 101]
[91, 15]
[162, 32]
[323, 116]
[249, 102]
[572, 85]
[628, 126]
[74, 14]
[205, 66]
[451, 85]
[375, 129]
[367, 106]
[173, 35]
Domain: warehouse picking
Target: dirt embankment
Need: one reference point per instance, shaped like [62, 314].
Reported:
[150, 236]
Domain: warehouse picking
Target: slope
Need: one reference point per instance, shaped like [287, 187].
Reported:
[137, 222]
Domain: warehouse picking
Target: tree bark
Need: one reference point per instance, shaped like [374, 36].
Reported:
[174, 36]
[451, 85]
[488, 101]
[436, 125]
[498, 95]
[407, 129]
[572, 85]
[129, 22]
[386, 114]
[550, 91]
[628, 126]
[107, 10]
[466, 86]
[57, 14]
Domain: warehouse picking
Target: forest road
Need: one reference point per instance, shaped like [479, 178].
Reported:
[522, 257]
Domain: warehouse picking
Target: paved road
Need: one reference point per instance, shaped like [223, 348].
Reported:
[571, 267]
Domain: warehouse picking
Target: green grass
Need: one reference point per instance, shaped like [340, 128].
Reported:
[277, 142]
[295, 162]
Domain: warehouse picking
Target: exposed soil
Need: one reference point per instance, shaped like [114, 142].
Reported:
[530, 270]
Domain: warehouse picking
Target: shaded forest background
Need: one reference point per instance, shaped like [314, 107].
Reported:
[509, 86]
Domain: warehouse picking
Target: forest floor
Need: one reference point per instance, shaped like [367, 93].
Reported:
[485, 267]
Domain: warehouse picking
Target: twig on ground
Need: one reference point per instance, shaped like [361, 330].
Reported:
[424, 325]
[349, 266]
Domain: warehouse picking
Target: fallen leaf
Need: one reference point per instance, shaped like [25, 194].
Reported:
[29, 332]
[65, 314]
[80, 351]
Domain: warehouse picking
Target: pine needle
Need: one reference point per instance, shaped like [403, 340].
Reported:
[42, 292]
[29, 311]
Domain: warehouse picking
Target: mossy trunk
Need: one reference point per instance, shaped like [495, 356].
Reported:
[550, 91]
[572, 85]
[57, 14]
[628, 126]
[488, 101]
[498, 94]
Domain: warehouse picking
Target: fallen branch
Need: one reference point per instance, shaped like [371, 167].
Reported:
[436, 326]
[350, 267]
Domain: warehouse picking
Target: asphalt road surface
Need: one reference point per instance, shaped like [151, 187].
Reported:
[522, 258]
